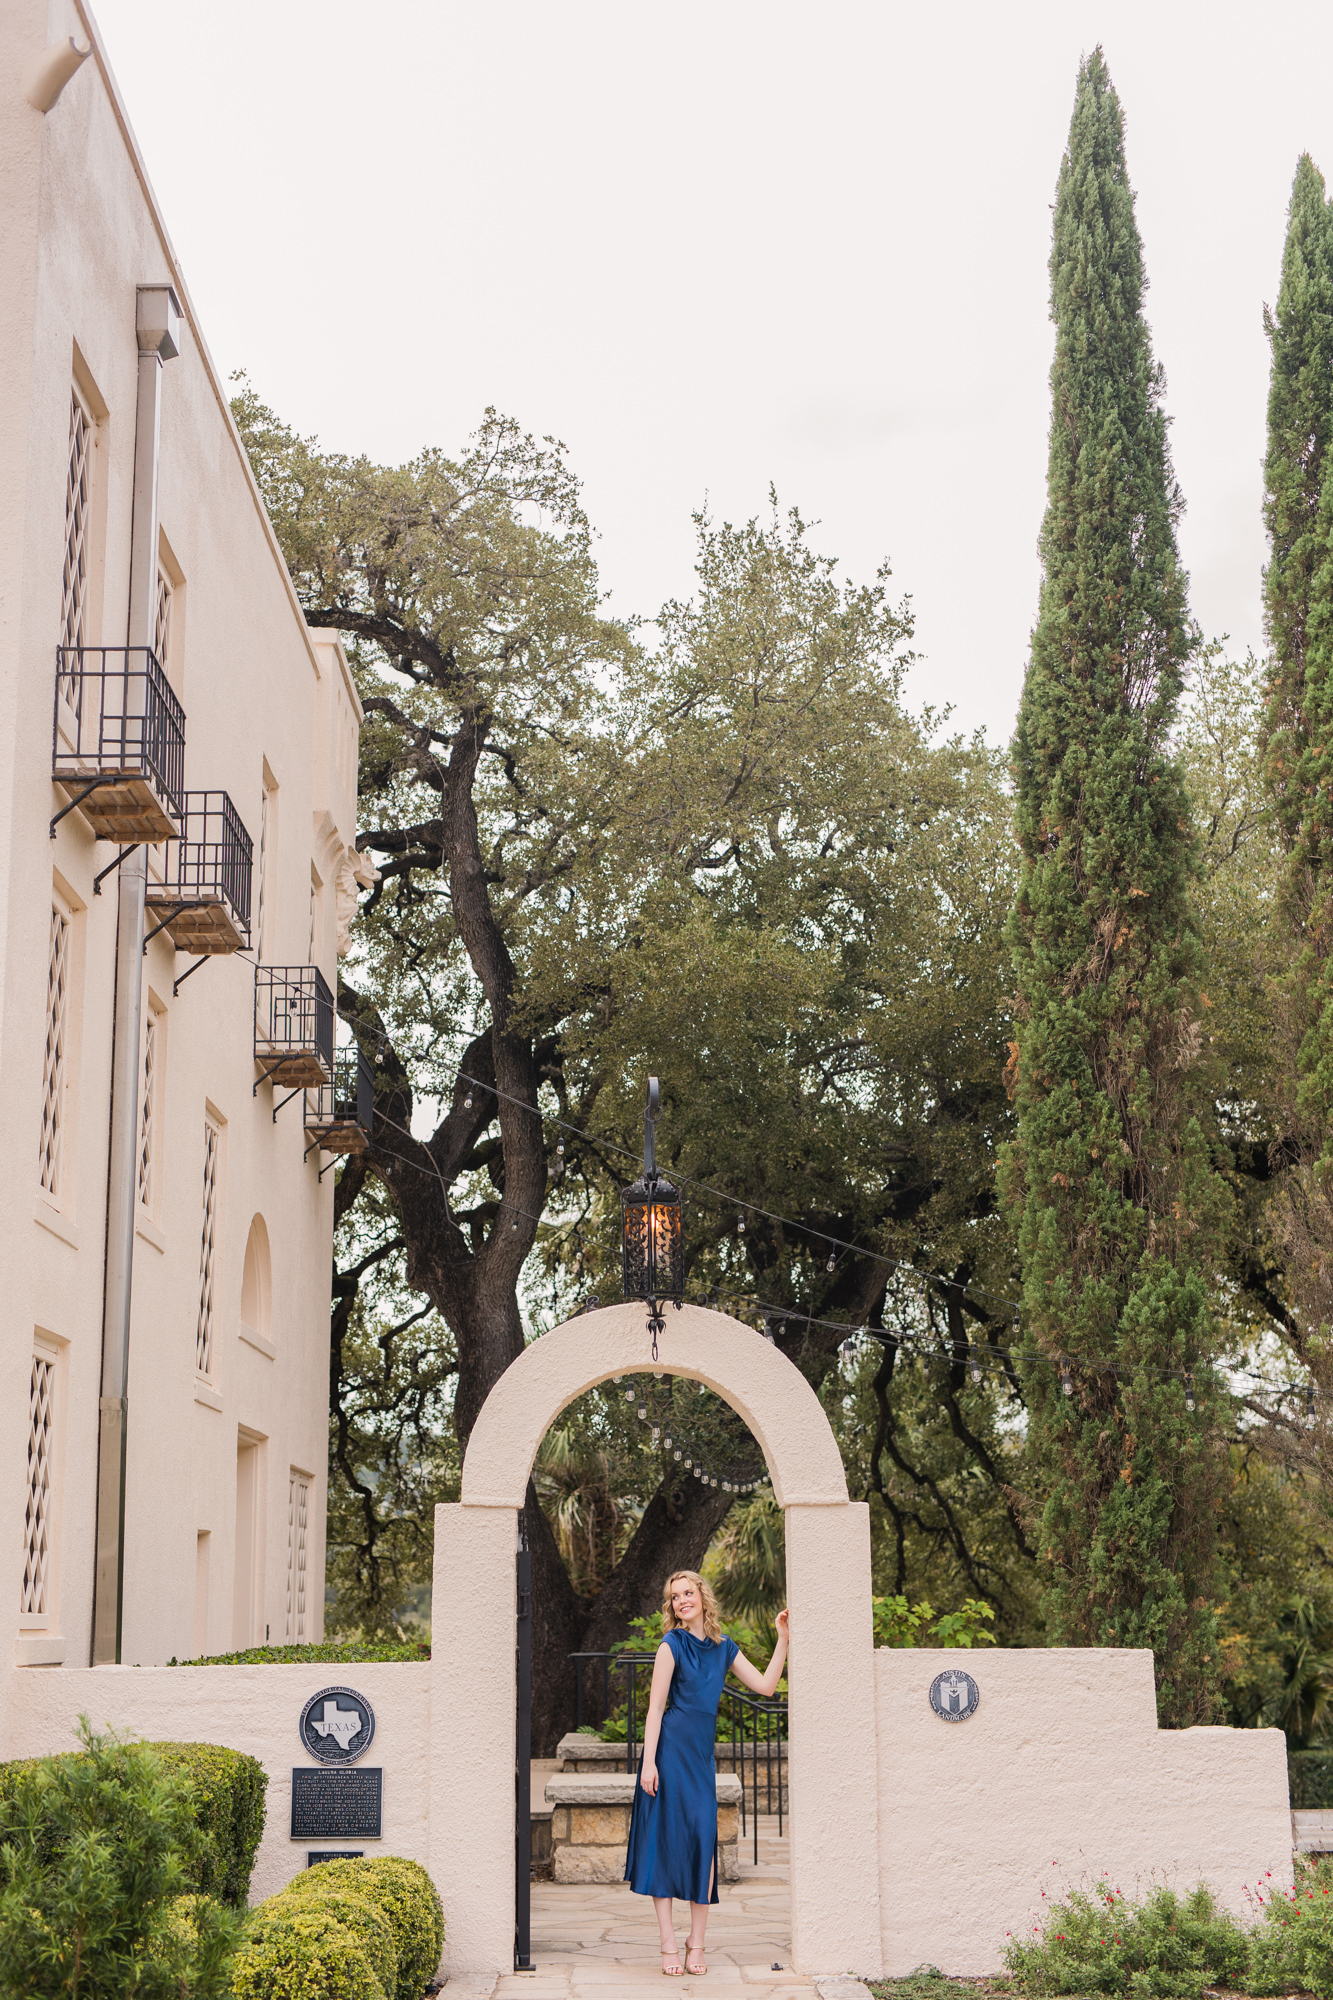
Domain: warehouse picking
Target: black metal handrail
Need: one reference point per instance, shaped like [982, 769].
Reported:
[348, 1099]
[213, 860]
[117, 715]
[757, 1727]
[293, 1020]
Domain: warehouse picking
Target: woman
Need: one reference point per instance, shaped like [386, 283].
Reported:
[673, 1827]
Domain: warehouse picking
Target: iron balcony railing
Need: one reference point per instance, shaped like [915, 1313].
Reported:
[339, 1115]
[752, 1729]
[202, 896]
[293, 1025]
[118, 742]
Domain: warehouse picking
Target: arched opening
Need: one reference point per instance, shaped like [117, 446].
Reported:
[834, 1827]
[257, 1285]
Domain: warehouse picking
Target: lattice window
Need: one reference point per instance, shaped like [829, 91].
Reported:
[298, 1514]
[162, 620]
[54, 1061]
[203, 1343]
[35, 1600]
[148, 1111]
[73, 613]
[265, 839]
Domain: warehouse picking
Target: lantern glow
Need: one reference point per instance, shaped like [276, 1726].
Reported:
[651, 1230]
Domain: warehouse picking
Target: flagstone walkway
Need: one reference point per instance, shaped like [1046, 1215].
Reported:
[599, 1942]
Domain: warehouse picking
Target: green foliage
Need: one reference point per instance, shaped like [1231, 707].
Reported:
[1098, 1941]
[898, 1623]
[98, 1851]
[747, 1563]
[228, 1790]
[1118, 1205]
[331, 1652]
[298, 1951]
[1292, 1945]
[405, 1896]
[1300, 426]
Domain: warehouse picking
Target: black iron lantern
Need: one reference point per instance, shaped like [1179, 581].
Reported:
[650, 1230]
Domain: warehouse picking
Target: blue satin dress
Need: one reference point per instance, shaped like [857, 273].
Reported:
[673, 1835]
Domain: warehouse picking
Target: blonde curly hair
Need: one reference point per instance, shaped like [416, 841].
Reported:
[712, 1616]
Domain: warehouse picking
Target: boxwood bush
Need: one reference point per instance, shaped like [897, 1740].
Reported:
[345, 1930]
[407, 1896]
[226, 1790]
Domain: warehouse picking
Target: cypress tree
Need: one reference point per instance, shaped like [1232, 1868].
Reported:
[1298, 594]
[1300, 422]
[1118, 1201]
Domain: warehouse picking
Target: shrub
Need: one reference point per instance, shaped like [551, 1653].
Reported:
[296, 1951]
[1310, 1776]
[228, 1790]
[1293, 1941]
[353, 1652]
[1099, 1942]
[405, 1894]
[96, 1852]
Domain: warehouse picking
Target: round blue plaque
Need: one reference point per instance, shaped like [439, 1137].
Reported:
[337, 1725]
[954, 1695]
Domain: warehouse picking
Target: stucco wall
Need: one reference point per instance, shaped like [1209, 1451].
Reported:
[255, 1709]
[78, 232]
[1060, 1774]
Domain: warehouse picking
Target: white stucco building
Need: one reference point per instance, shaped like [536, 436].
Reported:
[168, 1236]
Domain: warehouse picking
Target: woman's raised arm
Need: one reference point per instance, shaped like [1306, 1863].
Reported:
[749, 1675]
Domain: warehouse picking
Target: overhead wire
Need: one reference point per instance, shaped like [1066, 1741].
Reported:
[781, 1312]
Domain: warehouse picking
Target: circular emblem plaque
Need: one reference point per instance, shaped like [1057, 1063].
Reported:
[954, 1696]
[337, 1725]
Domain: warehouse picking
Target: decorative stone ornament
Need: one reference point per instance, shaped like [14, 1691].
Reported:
[954, 1695]
[337, 1725]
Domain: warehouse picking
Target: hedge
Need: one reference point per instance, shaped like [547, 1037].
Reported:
[228, 1791]
[299, 1953]
[345, 1930]
[1310, 1775]
[408, 1898]
[352, 1653]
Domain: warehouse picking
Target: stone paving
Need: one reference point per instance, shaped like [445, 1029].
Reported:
[600, 1942]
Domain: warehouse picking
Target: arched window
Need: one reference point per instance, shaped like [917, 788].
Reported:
[257, 1283]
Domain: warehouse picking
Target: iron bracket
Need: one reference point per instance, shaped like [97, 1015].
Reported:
[102, 873]
[175, 911]
[286, 1100]
[94, 786]
[190, 974]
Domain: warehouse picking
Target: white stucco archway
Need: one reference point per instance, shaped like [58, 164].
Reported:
[834, 1822]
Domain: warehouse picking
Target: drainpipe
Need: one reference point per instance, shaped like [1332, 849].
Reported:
[158, 319]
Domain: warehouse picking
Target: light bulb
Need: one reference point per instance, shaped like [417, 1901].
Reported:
[467, 1102]
[831, 1262]
[675, 1454]
[643, 1413]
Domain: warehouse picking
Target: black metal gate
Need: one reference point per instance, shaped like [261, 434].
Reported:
[523, 1762]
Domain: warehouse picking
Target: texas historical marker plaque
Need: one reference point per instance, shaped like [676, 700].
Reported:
[338, 1803]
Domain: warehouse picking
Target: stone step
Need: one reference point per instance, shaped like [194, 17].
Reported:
[590, 1815]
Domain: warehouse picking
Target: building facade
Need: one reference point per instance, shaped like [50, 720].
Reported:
[177, 871]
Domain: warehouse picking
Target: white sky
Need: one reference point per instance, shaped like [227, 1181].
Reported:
[711, 246]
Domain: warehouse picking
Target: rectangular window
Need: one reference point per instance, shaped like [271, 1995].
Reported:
[78, 505]
[162, 620]
[268, 833]
[298, 1515]
[148, 1109]
[56, 1060]
[203, 1344]
[35, 1605]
